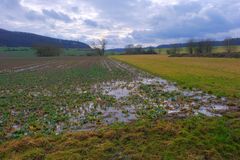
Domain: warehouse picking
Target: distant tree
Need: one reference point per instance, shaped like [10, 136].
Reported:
[47, 50]
[150, 50]
[199, 49]
[96, 48]
[204, 47]
[103, 44]
[175, 49]
[100, 46]
[191, 46]
[208, 46]
[229, 45]
[138, 49]
[159, 50]
[129, 49]
[134, 49]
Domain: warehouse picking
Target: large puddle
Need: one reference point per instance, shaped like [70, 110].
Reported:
[141, 95]
[173, 99]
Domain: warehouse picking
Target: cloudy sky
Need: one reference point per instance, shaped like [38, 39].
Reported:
[122, 22]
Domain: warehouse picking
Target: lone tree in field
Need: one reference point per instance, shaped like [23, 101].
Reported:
[229, 45]
[100, 46]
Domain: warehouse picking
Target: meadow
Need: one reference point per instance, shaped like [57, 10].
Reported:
[213, 75]
[100, 108]
[29, 52]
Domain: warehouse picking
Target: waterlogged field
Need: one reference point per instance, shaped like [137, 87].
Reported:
[99, 108]
[214, 75]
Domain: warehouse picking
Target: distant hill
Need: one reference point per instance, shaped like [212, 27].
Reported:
[21, 39]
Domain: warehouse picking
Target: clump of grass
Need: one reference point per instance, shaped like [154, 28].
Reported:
[192, 138]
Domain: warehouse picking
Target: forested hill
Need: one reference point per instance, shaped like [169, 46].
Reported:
[21, 39]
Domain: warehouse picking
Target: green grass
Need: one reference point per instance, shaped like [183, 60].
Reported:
[78, 52]
[188, 139]
[29, 52]
[17, 52]
[214, 75]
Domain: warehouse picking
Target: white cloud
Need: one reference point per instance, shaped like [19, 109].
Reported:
[148, 22]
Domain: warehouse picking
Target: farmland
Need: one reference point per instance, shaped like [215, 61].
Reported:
[100, 108]
[28, 52]
[218, 76]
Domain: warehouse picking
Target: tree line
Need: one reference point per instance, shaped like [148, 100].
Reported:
[203, 47]
[51, 50]
[138, 49]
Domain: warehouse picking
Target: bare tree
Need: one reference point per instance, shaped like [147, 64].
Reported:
[208, 45]
[150, 50]
[204, 47]
[129, 49]
[159, 50]
[191, 44]
[175, 49]
[134, 49]
[99, 46]
[229, 46]
[95, 48]
[102, 44]
[138, 49]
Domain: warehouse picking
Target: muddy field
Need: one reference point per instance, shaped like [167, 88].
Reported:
[8, 65]
[57, 95]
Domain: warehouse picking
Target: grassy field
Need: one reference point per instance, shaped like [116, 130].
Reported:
[29, 52]
[213, 75]
[190, 139]
[16, 52]
[67, 108]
